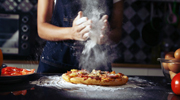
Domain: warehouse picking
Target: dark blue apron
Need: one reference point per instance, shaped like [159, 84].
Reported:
[60, 56]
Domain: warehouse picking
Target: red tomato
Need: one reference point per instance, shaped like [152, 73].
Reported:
[175, 84]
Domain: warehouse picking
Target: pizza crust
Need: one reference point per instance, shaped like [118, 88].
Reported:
[66, 77]
[76, 80]
[115, 82]
[90, 81]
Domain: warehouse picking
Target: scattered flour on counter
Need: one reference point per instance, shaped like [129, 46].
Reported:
[137, 79]
[59, 83]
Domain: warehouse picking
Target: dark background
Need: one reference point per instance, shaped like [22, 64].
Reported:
[143, 40]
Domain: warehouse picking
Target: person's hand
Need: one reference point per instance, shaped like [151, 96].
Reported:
[104, 30]
[81, 27]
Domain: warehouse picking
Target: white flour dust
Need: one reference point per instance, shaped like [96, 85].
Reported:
[93, 11]
[59, 83]
[95, 56]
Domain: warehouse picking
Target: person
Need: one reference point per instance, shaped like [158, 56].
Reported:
[62, 23]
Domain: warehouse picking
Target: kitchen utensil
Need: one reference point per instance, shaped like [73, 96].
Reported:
[156, 21]
[14, 79]
[150, 33]
[179, 17]
[172, 17]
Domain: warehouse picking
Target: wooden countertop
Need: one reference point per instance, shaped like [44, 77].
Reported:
[113, 64]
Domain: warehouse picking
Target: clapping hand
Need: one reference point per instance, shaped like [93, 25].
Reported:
[81, 27]
[104, 30]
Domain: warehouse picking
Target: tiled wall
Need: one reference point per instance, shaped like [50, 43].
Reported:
[137, 13]
[18, 5]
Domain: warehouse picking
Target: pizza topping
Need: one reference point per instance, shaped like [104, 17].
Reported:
[95, 74]
[95, 77]
[14, 71]
[104, 72]
[73, 74]
[113, 72]
[95, 71]
[83, 72]
[112, 75]
[73, 70]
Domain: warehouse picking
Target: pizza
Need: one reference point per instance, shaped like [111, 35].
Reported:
[14, 71]
[95, 77]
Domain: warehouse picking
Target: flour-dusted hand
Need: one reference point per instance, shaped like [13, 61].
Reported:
[104, 30]
[81, 27]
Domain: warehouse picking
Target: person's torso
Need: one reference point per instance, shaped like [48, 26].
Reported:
[67, 52]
